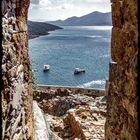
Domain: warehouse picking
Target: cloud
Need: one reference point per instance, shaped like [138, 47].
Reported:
[62, 9]
[34, 1]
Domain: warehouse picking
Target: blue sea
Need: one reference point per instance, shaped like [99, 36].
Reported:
[64, 50]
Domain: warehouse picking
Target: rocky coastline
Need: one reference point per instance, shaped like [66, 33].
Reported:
[70, 115]
[36, 29]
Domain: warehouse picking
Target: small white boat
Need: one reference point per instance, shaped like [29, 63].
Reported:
[78, 70]
[46, 67]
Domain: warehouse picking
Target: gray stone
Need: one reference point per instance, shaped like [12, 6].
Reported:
[11, 53]
[13, 71]
[9, 65]
[3, 68]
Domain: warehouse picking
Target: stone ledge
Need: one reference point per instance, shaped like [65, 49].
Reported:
[57, 90]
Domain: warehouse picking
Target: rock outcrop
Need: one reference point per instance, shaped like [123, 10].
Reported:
[73, 116]
[36, 29]
[17, 116]
[121, 122]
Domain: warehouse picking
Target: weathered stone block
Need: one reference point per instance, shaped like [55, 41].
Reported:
[121, 121]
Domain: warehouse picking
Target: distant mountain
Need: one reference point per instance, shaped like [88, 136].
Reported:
[95, 18]
[40, 28]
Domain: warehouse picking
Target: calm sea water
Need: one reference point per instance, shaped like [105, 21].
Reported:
[64, 50]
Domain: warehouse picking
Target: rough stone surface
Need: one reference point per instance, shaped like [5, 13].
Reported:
[73, 116]
[66, 90]
[57, 100]
[41, 130]
[121, 121]
[16, 93]
[42, 127]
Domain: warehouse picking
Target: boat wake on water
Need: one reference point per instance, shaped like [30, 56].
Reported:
[93, 83]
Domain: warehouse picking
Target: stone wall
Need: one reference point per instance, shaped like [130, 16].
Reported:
[121, 122]
[16, 85]
[57, 100]
[66, 90]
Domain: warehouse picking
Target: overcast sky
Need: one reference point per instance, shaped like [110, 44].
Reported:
[45, 10]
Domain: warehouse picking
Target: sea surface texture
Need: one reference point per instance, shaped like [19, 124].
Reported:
[86, 47]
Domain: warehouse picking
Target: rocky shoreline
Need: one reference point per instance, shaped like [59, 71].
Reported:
[73, 116]
[36, 29]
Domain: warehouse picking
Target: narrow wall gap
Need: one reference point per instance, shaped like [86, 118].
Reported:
[87, 47]
[63, 101]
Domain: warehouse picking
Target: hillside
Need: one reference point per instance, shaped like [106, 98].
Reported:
[40, 28]
[95, 18]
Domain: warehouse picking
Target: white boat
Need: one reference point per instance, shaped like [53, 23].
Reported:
[78, 70]
[46, 67]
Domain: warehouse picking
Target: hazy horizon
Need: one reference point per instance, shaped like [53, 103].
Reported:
[50, 10]
[44, 20]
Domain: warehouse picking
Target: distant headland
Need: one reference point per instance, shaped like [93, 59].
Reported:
[92, 19]
[37, 29]
[95, 18]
